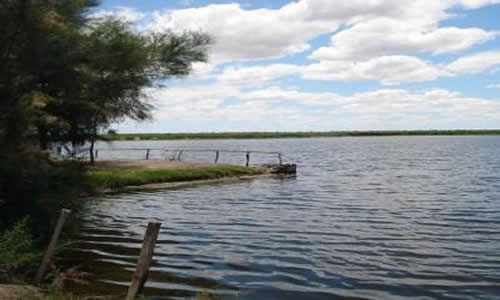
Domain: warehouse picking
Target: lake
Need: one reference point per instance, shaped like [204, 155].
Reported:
[367, 217]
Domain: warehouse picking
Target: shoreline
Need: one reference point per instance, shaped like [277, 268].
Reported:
[297, 134]
[184, 184]
[113, 177]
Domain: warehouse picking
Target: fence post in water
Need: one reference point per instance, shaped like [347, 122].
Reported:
[248, 159]
[179, 156]
[144, 262]
[280, 159]
[147, 154]
[216, 156]
[96, 153]
[52, 245]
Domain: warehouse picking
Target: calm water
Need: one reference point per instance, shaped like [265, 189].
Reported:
[374, 218]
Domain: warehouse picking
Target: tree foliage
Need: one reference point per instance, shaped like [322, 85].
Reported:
[63, 78]
[64, 75]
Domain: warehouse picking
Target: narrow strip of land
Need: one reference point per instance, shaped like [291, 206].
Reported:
[300, 134]
[122, 175]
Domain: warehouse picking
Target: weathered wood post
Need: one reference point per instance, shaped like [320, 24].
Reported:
[280, 158]
[147, 154]
[96, 153]
[248, 159]
[216, 156]
[52, 245]
[179, 156]
[144, 261]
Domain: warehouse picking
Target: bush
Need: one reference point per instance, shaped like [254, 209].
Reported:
[16, 246]
[30, 185]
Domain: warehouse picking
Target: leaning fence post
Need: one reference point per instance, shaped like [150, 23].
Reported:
[52, 245]
[179, 156]
[144, 261]
[216, 156]
[248, 159]
[147, 154]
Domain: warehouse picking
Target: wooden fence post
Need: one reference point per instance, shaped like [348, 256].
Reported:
[179, 156]
[96, 154]
[248, 159]
[216, 156]
[147, 154]
[280, 158]
[144, 261]
[52, 245]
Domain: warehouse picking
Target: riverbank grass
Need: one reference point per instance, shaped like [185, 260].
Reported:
[118, 178]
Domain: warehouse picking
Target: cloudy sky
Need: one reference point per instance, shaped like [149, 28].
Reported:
[282, 65]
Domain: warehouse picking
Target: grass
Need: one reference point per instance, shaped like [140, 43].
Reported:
[16, 246]
[302, 134]
[117, 178]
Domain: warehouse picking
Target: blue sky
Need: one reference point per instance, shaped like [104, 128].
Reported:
[325, 65]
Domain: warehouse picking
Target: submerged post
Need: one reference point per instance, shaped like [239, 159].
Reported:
[52, 245]
[216, 156]
[144, 261]
[248, 159]
[147, 154]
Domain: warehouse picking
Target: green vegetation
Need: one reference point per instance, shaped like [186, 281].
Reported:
[16, 246]
[300, 134]
[64, 78]
[117, 178]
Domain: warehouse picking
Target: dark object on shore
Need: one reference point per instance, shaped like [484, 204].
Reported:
[285, 169]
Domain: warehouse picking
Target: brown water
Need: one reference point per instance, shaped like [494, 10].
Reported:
[374, 218]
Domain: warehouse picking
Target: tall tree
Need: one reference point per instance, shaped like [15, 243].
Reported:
[63, 77]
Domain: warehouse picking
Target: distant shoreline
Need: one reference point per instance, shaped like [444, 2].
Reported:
[301, 134]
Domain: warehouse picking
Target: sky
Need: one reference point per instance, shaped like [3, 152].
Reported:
[321, 65]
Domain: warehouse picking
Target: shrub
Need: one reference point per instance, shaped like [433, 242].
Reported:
[16, 246]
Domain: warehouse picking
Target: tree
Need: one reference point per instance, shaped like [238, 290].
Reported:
[63, 78]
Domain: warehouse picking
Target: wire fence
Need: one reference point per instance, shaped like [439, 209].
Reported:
[198, 155]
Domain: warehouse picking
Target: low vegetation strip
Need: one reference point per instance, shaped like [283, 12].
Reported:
[118, 178]
[264, 135]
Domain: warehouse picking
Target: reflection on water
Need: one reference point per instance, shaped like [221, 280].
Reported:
[374, 218]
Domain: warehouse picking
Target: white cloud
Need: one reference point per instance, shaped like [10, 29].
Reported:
[389, 70]
[202, 70]
[475, 63]
[379, 27]
[257, 74]
[244, 34]
[384, 36]
[380, 109]
[494, 86]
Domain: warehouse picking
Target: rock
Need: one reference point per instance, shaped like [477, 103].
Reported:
[285, 169]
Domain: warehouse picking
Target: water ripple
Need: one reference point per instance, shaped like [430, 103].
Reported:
[385, 218]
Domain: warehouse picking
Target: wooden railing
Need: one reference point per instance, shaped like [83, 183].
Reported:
[178, 153]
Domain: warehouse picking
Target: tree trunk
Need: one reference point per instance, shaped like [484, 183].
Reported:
[43, 138]
[91, 151]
